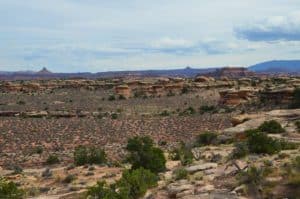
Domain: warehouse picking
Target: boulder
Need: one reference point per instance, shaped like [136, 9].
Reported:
[201, 167]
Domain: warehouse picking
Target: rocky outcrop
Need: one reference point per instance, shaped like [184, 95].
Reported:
[123, 90]
[202, 79]
[201, 167]
[233, 97]
[253, 121]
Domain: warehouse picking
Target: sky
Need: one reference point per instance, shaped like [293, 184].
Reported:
[109, 35]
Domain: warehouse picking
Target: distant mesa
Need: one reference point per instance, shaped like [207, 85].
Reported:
[44, 71]
[231, 72]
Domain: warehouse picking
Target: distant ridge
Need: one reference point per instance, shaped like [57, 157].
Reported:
[46, 74]
[277, 66]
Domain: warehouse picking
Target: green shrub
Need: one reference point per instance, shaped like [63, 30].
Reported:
[259, 142]
[89, 155]
[10, 190]
[296, 100]
[114, 116]
[241, 150]
[122, 97]
[182, 153]
[188, 111]
[96, 156]
[207, 109]
[132, 185]
[206, 138]
[164, 113]
[69, 178]
[38, 150]
[271, 127]
[142, 153]
[297, 123]
[80, 155]
[111, 98]
[52, 159]
[180, 174]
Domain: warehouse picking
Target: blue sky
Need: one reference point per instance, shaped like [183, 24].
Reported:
[101, 35]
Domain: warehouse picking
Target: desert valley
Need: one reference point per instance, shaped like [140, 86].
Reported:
[231, 133]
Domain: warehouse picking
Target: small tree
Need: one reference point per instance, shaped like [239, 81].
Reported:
[259, 142]
[135, 183]
[80, 155]
[142, 153]
[132, 185]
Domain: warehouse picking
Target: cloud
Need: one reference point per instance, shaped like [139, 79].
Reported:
[276, 28]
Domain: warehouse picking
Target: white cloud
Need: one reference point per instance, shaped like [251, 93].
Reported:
[274, 28]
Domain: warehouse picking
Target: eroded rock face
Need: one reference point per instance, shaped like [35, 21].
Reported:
[233, 97]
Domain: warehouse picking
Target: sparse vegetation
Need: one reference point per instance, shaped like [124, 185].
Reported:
[89, 155]
[165, 113]
[180, 174]
[69, 178]
[188, 111]
[207, 109]
[182, 153]
[38, 150]
[206, 138]
[111, 98]
[52, 159]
